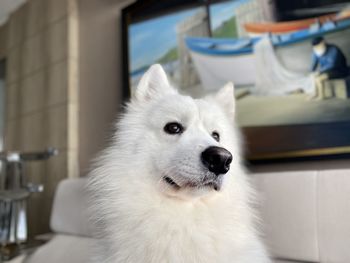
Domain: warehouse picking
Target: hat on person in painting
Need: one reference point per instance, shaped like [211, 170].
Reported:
[317, 40]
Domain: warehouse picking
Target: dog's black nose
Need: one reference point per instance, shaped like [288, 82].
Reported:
[217, 159]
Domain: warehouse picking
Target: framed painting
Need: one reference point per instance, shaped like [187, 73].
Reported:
[288, 61]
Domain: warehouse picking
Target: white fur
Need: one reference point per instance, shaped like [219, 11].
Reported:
[140, 217]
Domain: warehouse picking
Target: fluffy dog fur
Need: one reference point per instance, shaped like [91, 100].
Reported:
[140, 217]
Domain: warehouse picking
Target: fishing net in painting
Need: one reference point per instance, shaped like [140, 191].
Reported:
[272, 78]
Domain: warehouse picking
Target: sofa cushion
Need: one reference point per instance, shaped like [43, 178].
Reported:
[69, 213]
[334, 215]
[289, 214]
[64, 248]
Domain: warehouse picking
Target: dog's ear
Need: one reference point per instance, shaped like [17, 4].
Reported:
[226, 98]
[154, 83]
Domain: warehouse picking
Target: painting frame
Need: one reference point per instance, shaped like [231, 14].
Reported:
[264, 144]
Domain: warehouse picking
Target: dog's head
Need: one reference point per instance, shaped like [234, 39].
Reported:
[186, 145]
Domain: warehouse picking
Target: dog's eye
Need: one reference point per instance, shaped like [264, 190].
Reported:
[216, 136]
[173, 128]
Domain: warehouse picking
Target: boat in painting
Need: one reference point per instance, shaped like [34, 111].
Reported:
[257, 29]
[220, 60]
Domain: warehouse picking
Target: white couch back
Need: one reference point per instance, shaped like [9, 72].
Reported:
[306, 214]
[69, 213]
[306, 217]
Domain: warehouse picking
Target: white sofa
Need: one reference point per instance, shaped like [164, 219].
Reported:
[72, 242]
[306, 218]
[306, 214]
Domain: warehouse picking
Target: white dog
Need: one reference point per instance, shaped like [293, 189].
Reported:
[171, 188]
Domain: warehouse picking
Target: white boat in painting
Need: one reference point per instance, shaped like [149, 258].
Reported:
[220, 60]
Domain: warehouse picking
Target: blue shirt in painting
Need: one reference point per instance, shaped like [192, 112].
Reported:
[333, 60]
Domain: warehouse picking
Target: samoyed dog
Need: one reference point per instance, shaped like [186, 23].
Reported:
[171, 187]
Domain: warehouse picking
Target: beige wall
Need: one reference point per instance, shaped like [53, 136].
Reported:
[100, 75]
[3, 42]
[42, 101]
[44, 105]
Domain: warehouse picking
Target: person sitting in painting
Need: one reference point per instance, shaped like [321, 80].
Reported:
[328, 62]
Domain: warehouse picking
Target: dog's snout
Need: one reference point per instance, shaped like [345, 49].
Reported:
[217, 159]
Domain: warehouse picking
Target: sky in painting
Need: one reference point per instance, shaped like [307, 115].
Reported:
[151, 39]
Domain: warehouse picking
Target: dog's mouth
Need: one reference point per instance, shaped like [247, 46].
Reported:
[214, 184]
[171, 182]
